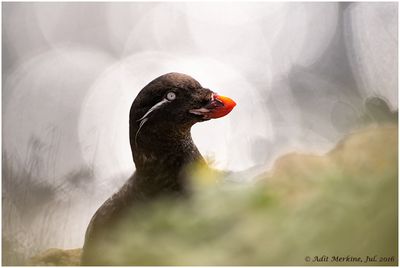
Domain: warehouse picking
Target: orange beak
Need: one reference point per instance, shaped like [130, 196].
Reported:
[219, 106]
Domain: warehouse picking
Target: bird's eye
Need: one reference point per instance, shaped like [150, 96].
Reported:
[171, 96]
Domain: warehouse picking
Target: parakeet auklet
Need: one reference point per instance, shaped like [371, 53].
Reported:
[160, 120]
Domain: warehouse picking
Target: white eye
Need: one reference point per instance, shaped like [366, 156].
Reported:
[171, 96]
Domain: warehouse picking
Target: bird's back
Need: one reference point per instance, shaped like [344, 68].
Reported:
[103, 221]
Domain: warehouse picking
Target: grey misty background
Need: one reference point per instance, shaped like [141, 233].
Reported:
[303, 75]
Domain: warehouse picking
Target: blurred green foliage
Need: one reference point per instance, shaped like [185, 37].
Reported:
[341, 204]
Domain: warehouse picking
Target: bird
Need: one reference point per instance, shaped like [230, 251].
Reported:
[160, 122]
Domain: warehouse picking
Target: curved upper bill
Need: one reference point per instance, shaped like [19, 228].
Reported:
[219, 106]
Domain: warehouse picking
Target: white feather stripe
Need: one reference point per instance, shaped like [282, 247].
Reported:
[140, 126]
[155, 106]
[144, 118]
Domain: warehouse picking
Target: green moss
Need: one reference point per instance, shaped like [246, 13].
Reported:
[308, 206]
[342, 205]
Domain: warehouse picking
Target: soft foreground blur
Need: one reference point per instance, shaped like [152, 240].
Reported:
[340, 204]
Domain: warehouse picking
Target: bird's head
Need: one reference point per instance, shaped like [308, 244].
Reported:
[171, 104]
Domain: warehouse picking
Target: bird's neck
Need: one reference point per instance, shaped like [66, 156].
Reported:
[162, 159]
[165, 151]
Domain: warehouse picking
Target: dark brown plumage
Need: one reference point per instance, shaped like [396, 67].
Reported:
[160, 120]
